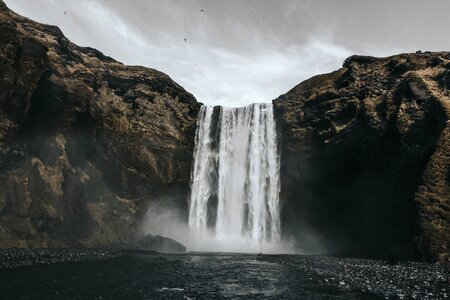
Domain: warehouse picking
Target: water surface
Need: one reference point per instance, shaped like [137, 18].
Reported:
[206, 276]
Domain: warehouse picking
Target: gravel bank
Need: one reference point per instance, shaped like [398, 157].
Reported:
[18, 257]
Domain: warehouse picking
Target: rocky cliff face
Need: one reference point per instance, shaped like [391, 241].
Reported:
[85, 141]
[366, 158]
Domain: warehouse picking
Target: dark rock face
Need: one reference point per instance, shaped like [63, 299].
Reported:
[366, 158]
[85, 141]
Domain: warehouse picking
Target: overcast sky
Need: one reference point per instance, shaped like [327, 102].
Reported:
[243, 51]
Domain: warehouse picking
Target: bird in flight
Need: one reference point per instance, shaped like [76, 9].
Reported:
[202, 10]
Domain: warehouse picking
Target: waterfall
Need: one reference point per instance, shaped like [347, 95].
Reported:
[235, 178]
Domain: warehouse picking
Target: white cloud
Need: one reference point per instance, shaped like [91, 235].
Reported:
[250, 51]
[221, 77]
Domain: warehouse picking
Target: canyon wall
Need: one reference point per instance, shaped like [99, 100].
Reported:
[366, 158]
[85, 141]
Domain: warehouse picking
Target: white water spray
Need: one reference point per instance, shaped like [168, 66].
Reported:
[235, 178]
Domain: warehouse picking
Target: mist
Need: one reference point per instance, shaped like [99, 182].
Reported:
[167, 218]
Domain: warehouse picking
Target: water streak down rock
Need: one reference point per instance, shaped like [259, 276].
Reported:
[235, 179]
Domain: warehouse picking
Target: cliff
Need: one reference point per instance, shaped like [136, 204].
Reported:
[85, 141]
[366, 158]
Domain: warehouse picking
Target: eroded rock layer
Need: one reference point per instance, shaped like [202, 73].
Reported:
[85, 141]
[366, 158]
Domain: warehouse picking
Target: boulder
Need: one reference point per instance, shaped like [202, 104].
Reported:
[160, 244]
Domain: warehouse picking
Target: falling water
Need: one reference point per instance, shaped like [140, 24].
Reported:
[235, 178]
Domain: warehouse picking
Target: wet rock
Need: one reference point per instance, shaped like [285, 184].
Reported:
[146, 241]
[161, 244]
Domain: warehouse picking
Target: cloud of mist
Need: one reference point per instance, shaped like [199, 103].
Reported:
[165, 218]
[238, 52]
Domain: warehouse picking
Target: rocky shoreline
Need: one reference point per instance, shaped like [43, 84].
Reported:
[404, 280]
[22, 257]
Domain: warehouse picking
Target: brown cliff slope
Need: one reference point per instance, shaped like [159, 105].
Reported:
[366, 158]
[85, 141]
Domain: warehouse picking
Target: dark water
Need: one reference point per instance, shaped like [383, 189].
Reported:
[206, 276]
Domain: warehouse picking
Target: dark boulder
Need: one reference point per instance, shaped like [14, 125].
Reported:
[160, 244]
